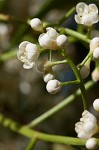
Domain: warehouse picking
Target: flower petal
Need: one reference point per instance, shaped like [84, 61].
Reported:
[52, 33]
[78, 19]
[93, 8]
[81, 8]
[28, 65]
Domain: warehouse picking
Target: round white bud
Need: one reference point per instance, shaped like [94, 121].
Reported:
[91, 143]
[53, 86]
[96, 104]
[61, 41]
[44, 41]
[94, 43]
[96, 53]
[95, 75]
[36, 24]
[48, 76]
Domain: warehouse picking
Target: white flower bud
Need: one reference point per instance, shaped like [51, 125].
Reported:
[44, 41]
[96, 53]
[53, 86]
[95, 75]
[91, 143]
[96, 104]
[94, 43]
[36, 24]
[52, 33]
[48, 76]
[62, 41]
[87, 126]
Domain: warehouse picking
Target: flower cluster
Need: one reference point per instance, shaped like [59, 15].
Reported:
[53, 86]
[87, 126]
[29, 52]
[86, 14]
[52, 40]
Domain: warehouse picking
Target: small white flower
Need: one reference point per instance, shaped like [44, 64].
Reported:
[48, 40]
[95, 74]
[48, 76]
[87, 126]
[86, 14]
[96, 104]
[53, 86]
[94, 43]
[91, 143]
[28, 53]
[62, 41]
[36, 24]
[96, 53]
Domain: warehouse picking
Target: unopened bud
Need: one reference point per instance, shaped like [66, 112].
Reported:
[94, 43]
[96, 104]
[36, 24]
[61, 41]
[48, 76]
[96, 53]
[91, 143]
[53, 86]
[95, 75]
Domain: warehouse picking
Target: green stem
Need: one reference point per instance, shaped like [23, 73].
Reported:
[59, 106]
[70, 82]
[88, 31]
[66, 16]
[50, 55]
[29, 133]
[89, 55]
[78, 76]
[74, 34]
[8, 55]
[58, 62]
[32, 143]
